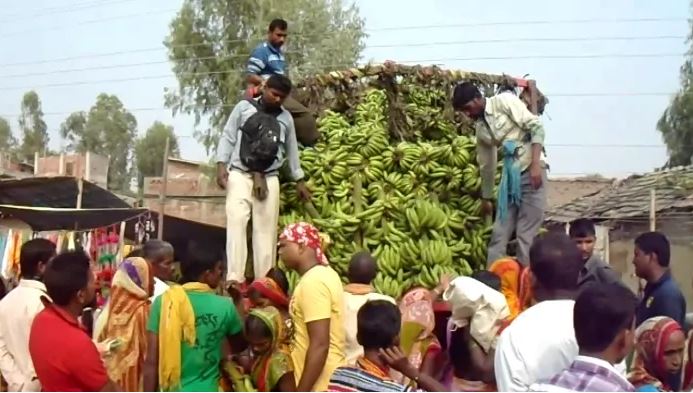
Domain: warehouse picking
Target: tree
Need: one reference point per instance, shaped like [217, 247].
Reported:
[149, 150]
[34, 129]
[107, 129]
[210, 41]
[7, 140]
[676, 123]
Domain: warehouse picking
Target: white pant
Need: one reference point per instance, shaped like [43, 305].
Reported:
[240, 205]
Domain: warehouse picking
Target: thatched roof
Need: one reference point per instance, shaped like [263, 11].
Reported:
[630, 198]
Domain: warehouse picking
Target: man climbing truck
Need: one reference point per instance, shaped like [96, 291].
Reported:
[268, 59]
[504, 122]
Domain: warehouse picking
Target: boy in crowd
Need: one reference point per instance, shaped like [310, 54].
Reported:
[584, 234]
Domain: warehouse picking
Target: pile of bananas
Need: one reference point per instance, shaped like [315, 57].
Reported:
[413, 204]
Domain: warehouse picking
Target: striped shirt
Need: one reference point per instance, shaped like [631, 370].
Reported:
[266, 60]
[586, 374]
[355, 379]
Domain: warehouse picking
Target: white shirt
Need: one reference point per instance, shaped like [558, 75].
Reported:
[537, 345]
[352, 303]
[18, 309]
[159, 288]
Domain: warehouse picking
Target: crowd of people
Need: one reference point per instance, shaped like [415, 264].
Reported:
[582, 329]
[554, 318]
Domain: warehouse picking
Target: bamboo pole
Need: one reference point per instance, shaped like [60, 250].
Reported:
[162, 194]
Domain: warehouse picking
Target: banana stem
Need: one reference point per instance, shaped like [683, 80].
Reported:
[358, 208]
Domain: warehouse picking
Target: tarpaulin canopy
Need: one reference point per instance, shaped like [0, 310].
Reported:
[48, 219]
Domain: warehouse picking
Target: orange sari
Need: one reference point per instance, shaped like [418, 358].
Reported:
[125, 318]
[516, 284]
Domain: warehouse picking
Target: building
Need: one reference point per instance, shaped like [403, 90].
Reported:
[191, 193]
[89, 166]
[14, 169]
[628, 208]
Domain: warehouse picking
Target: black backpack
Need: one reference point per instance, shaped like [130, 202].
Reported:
[260, 138]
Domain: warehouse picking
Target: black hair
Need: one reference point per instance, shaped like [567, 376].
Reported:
[464, 93]
[555, 262]
[3, 288]
[200, 258]
[362, 268]
[280, 83]
[278, 276]
[491, 279]
[65, 275]
[655, 243]
[155, 250]
[257, 325]
[278, 23]
[32, 253]
[602, 311]
[582, 227]
[378, 324]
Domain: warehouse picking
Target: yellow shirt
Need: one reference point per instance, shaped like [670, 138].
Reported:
[318, 295]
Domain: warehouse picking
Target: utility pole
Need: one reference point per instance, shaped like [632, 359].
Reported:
[162, 195]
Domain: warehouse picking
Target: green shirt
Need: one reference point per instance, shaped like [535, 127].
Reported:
[215, 319]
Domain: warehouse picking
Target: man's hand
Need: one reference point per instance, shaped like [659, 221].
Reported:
[222, 176]
[536, 175]
[259, 186]
[396, 359]
[487, 208]
[303, 191]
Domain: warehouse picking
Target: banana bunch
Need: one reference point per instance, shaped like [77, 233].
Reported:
[412, 202]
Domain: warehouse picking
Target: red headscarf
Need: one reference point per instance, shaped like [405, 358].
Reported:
[651, 338]
[269, 289]
[306, 235]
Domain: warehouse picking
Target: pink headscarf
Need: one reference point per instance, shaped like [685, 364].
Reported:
[306, 235]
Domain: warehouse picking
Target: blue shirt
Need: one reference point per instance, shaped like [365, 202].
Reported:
[229, 148]
[662, 299]
[266, 60]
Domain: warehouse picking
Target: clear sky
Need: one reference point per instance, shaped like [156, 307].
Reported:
[606, 94]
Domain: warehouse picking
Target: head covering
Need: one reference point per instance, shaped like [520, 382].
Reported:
[483, 307]
[269, 289]
[125, 318]
[687, 380]
[272, 365]
[418, 324]
[516, 284]
[651, 338]
[306, 235]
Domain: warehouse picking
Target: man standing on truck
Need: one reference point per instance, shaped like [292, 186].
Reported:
[257, 139]
[268, 59]
[503, 121]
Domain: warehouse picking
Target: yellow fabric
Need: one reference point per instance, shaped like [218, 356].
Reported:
[177, 325]
[318, 295]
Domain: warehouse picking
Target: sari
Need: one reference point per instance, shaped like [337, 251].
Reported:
[648, 366]
[687, 378]
[418, 323]
[271, 366]
[125, 318]
[516, 284]
[270, 290]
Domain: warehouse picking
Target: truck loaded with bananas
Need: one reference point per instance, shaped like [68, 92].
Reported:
[405, 189]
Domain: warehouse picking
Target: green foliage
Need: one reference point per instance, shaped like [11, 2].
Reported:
[149, 150]
[7, 140]
[676, 123]
[107, 129]
[34, 129]
[210, 41]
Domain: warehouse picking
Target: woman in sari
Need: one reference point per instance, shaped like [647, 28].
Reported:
[122, 323]
[270, 370]
[417, 339]
[659, 343]
[687, 382]
[516, 284]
